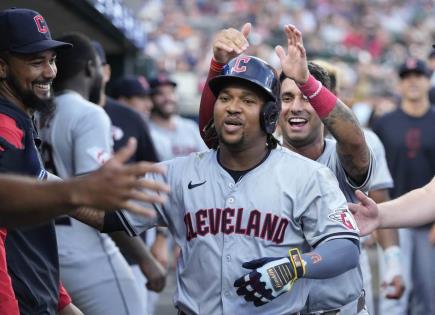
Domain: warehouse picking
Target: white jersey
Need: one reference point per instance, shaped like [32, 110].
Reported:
[181, 141]
[80, 140]
[287, 201]
[338, 291]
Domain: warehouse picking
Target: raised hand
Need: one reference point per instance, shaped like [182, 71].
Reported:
[366, 214]
[294, 61]
[116, 186]
[229, 43]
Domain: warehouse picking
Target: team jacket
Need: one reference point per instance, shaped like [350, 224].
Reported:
[31, 252]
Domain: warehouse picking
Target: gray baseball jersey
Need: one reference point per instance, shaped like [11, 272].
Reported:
[287, 201]
[181, 141]
[79, 138]
[381, 174]
[335, 292]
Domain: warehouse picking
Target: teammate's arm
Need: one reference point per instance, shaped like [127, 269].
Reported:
[272, 276]
[337, 117]
[227, 44]
[136, 249]
[413, 209]
[113, 186]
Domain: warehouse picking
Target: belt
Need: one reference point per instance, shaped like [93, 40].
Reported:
[361, 303]
[359, 307]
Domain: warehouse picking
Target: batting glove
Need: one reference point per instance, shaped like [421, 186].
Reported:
[271, 277]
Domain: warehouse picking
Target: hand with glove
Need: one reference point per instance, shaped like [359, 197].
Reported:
[270, 277]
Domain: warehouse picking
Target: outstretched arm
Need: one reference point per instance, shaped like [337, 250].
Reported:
[113, 186]
[337, 117]
[413, 209]
[227, 44]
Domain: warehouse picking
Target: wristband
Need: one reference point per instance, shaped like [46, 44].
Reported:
[393, 264]
[297, 262]
[322, 100]
[216, 66]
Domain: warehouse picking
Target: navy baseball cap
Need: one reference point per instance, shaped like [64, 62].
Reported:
[25, 31]
[162, 79]
[130, 86]
[413, 65]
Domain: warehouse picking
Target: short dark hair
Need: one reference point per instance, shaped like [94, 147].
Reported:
[317, 71]
[71, 61]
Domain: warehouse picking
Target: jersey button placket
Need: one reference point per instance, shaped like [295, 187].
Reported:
[227, 259]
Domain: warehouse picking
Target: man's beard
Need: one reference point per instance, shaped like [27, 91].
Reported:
[156, 110]
[30, 99]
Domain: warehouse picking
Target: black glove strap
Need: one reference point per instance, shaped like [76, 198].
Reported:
[297, 262]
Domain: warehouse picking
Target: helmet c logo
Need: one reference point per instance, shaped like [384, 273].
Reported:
[237, 67]
[40, 24]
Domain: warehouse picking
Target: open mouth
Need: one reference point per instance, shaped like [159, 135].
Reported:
[232, 124]
[45, 87]
[297, 122]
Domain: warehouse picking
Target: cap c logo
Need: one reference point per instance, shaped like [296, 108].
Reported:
[40, 24]
[237, 67]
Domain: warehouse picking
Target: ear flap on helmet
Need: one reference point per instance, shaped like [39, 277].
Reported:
[269, 117]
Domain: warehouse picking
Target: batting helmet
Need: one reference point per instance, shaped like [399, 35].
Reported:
[258, 73]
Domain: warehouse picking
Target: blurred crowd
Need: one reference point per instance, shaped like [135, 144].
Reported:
[371, 37]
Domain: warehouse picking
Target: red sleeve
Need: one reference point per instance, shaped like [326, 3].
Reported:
[207, 103]
[8, 303]
[64, 298]
[10, 132]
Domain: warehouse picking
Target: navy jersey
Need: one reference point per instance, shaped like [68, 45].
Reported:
[410, 148]
[31, 252]
[127, 123]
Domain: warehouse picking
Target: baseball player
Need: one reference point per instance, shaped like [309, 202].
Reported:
[173, 136]
[307, 108]
[27, 68]
[127, 123]
[390, 256]
[250, 199]
[77, 140]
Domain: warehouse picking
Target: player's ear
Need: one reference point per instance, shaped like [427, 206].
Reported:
[90, 68]
[3, 67]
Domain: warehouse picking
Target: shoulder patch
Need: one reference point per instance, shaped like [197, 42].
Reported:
[99, 155]
[117, 133]
[344, 217]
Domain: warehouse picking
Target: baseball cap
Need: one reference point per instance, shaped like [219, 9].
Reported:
[130, 86]
[414, 65]
[100, 51]
[25, 31]
[161, 79]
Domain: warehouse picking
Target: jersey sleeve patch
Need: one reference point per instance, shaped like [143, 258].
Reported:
[98, 154]
[344, 217]
[10, 132]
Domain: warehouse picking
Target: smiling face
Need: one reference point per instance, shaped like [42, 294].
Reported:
[237, 116]
[164, 101]
[299, 122]
[414, 86]
[28, 78]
